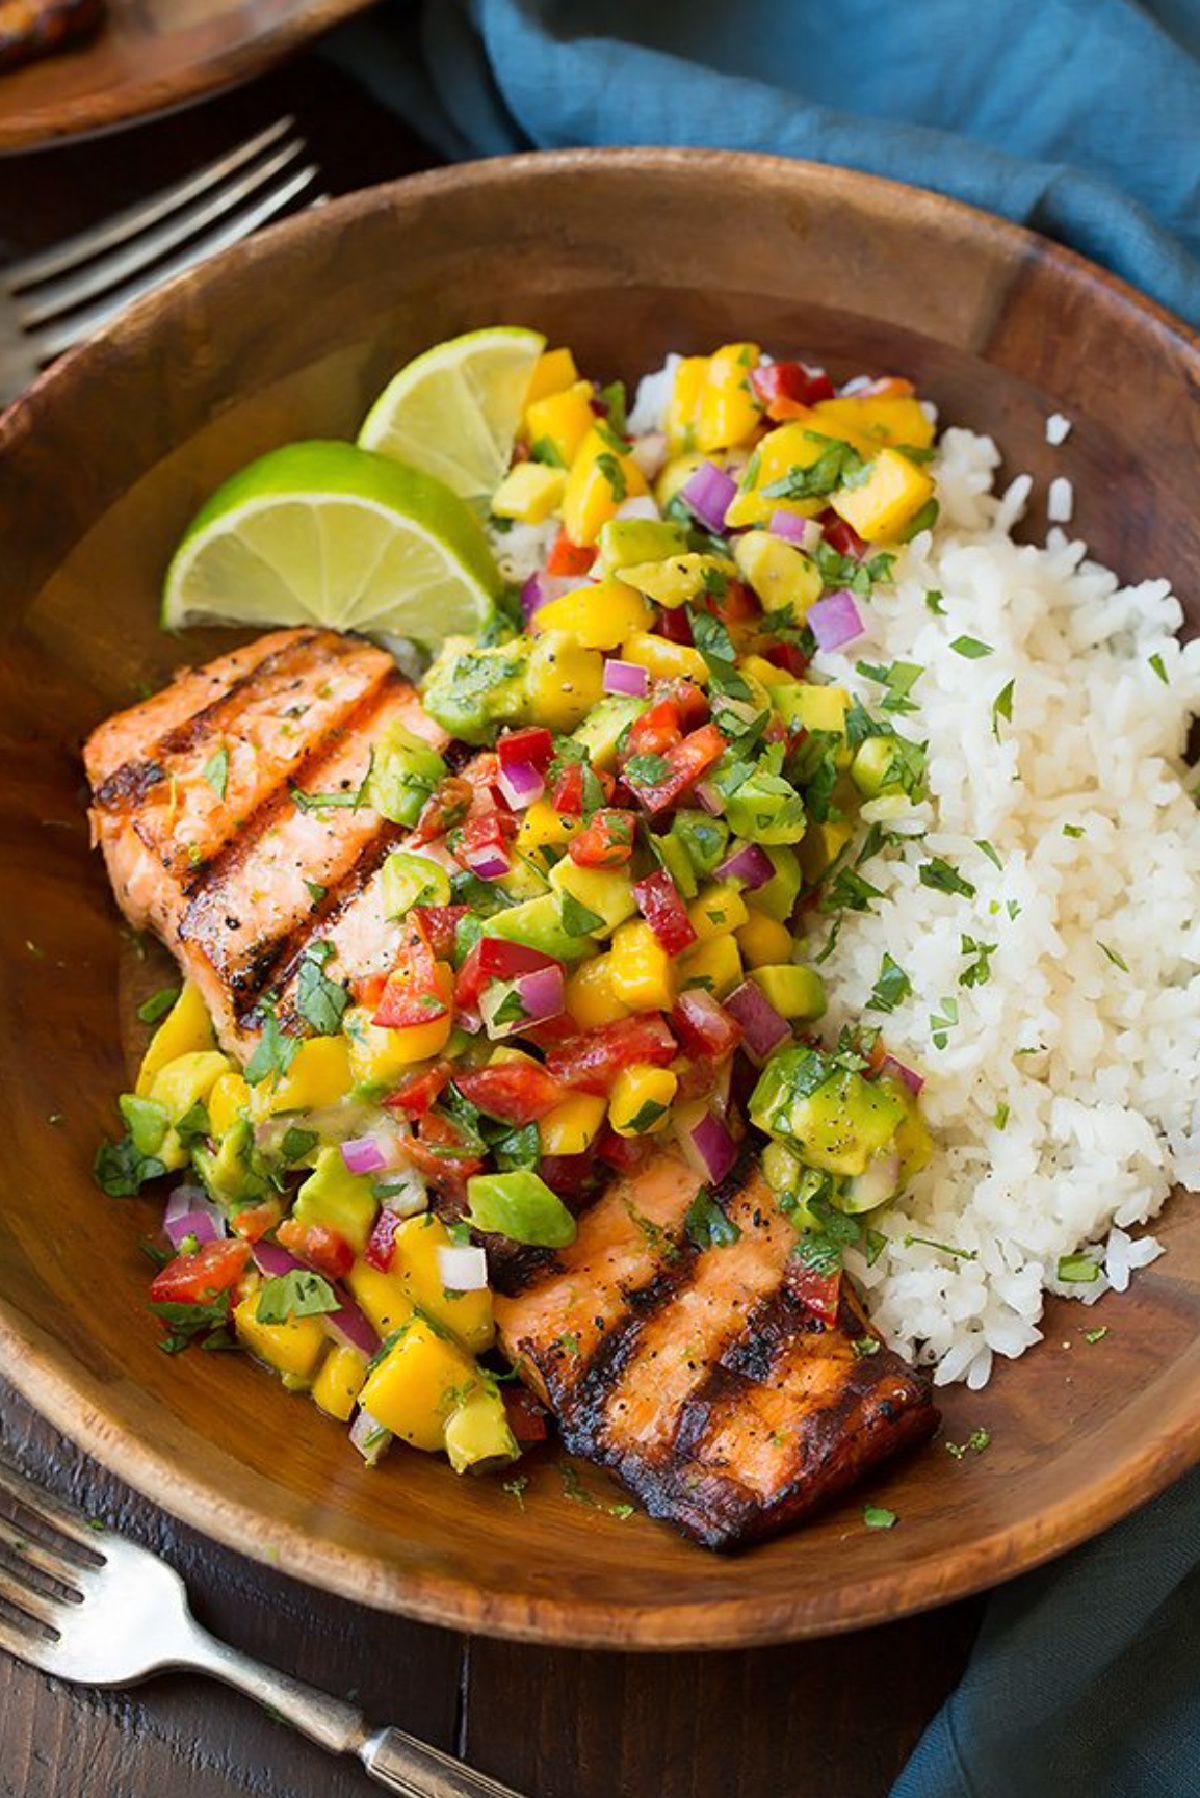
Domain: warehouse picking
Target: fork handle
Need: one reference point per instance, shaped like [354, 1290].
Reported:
[396, 1760]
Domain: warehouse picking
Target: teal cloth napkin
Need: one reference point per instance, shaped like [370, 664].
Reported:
[1080, 118]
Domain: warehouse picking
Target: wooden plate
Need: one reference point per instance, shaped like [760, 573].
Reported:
[151, 56]
[624, 254]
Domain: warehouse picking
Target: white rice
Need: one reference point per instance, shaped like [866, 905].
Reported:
[1058, 429]
[1060, 500]
[1091, 1066]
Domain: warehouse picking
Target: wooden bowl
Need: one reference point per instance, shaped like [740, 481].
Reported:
[624, 254]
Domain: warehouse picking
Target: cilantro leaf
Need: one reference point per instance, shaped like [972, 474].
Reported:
[158, 1004]
[972, 648]
[320, 1001]
[939, 875]
[276, 1049]
[121, 1170]
[216, 771]
[892, 986]
[298, 1293]
[706, 1224]
[577, 920]
[1002, 707]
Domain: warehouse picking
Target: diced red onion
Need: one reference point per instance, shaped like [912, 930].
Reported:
[708, 796]
[488, 860]
[708, 494]
[626, 677]
[521, 783]
[805, 533]
[708, 1145]
[190, 1212]
[912, 1080]
[542, 995]
[835, 620]
[364, 1155]
[750, 865]
[350, 1326]
[462, 1267]
[650, 453]
[370, 1438]
[540, 589]
[273, 1261]
[762, 1027]
[641, 506]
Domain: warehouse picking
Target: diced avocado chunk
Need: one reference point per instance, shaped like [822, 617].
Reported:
[794, 991]
[470, 690]
[409, 880]
[478, 1434]
[831, 1116]
[766, 808]
[778, 896]
[679, 578]
[520, 1206]
[404, 772]
[604, 726]
[604, 893]
[704, 839]
[872, 766]
[538, 924]
[338, 1199]
[678, 863]
[230, 1174]
[151, 1132]
[624, 542]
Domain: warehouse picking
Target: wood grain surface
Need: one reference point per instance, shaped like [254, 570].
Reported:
[151, 55]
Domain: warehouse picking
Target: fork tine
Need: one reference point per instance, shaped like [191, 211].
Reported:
[21, 1595]
[134, 219]
[75, 327]
[24, 1641]
[36, 1554]
[148, 247]
[50, 1512]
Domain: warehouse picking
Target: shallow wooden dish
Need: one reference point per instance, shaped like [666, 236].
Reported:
[150, 56]
[624, 254]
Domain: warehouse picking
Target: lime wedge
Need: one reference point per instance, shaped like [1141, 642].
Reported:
[454, 410]
[324, 533]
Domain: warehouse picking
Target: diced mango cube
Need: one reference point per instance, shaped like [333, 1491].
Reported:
[822, 845]
[381, 1295]
[763, 940]
[605, 892]
[672, 581]
[320, 1075]
[558, 424]
[591, 998]
[779, 573]
[417, 1384]
[553, 372]
[187, 1081]
[599, 616]
[186, 1027]
[814, 707]
[789, 446]
[226, 1102]
[641, 1100]
[417, 1266]
[684, 408]
[529, 493]
[573, 1125]
[293, 1347]
[765, 673]
[337, 1386]
[884, 506]
[714, 965]
[728, 412]
[478, 1434]
[601, 479]
[795, 991]
[674, 475]
[544, 828]
[640, 968]
[889, 418]
[564, 680]
[663, 659]
[718, 911]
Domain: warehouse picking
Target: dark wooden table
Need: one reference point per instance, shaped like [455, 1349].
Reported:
[825, 1720]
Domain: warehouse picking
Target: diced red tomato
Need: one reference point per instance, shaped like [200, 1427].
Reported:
[568, 558]
[200, 1278]
[784, 389]
[440, 922]
[411, 995]
[590, 1063]
[688, 760]
[527, 1416]
[549, 1033]
[519, 1092]
[502, 960]
[444, 808]
[737, 604]
[416, 1096]
[533, 745]
[321, 1247]
[606, 842]
[253, 1221]
[570, 1176]
[703, 1025]
[469, 981]
[624, 1154]
[673, 625]
[841, 536]
[567, 796]
[654, 732]
[820, 1292]
[381, 1243]
[691, 701]
[662, 907]
[787, 656]
[439, 1152]
[481, 773]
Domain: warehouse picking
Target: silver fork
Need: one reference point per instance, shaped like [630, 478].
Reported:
[89, 1606]
[56, 299]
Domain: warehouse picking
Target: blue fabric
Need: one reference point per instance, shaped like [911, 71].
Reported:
[1080, 118]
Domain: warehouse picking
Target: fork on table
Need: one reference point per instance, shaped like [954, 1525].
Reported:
[54, 300]
[89, 1606]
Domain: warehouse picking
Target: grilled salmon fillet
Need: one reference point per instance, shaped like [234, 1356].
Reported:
[30, 28]
[699, 1376]
[194, 805]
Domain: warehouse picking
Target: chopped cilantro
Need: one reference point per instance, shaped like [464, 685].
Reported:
[1002, 707]
[1159, 666]
[316, 891]
[547, 452]
[1003, 1113]
[298, 1293]
[1096, 1335]
[612, 398]
[647, 770]
[121, 1170]
[1117, 960]
[987, 849]
[1078, 1269]
[577, 920]
[933, 599]
[943, 878]
[946, 1248]
[892, 986]
[216, 771]
[940, 1023]
[706, 1224]
[276, 1049]
[297, 1143]
[838, 465]
[647, 1117]
[185, 1322]
[614, 474]
[878, 1517]
[158, 1004]
[979, 971]
[320, 1001]
[972, 648]
[898, 679]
